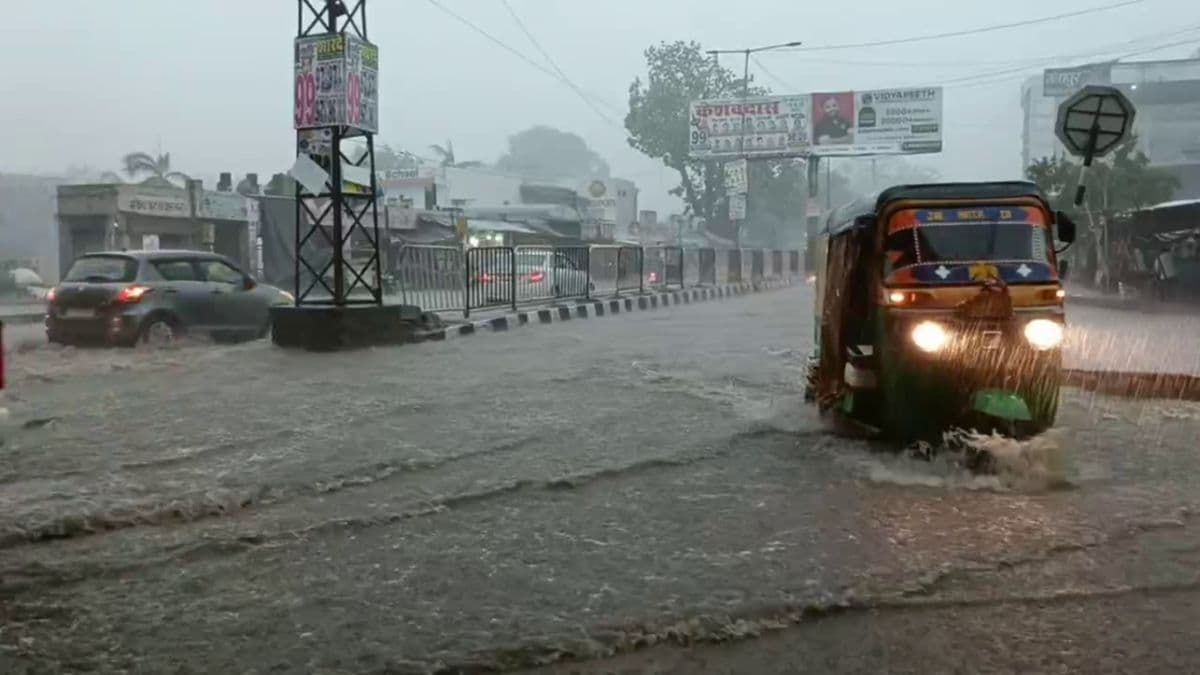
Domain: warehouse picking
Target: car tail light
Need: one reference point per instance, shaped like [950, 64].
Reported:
[50, 295]
[485, 278]
[654, 277]
[536, 277]
[131, 294]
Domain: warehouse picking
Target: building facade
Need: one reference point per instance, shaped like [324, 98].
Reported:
[113, 216]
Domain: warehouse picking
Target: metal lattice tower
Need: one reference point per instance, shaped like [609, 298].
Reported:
[337, 229]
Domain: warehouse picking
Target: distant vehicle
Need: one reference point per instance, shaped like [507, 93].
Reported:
[541, 275]
[123, 298]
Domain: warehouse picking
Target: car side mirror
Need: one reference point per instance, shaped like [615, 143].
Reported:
[1066, 227]
[1063, 267]
[249, 283]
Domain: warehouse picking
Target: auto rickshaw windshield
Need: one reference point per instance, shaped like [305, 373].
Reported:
[965, 242]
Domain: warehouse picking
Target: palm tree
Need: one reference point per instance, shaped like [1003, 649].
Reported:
[157, 168]
[446, 155]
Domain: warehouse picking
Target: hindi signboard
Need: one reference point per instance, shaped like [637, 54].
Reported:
[767, 126]
[1060, 82]
[164, 203]
[222, 206]
[904, 121]
[336, 82]
[737, 177]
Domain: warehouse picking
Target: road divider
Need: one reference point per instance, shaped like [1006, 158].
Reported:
[1135, 385]
[597, 308]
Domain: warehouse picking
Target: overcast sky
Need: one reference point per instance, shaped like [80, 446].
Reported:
[210, 81]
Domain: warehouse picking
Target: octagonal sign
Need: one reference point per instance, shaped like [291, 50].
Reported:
[1094, 121]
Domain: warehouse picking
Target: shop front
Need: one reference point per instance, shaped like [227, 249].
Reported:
[114, 217]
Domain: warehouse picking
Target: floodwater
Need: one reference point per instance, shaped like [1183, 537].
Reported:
[551, 493]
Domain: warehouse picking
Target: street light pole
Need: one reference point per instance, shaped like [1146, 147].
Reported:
[737, 230]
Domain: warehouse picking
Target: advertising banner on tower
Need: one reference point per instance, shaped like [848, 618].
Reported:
[337, 82]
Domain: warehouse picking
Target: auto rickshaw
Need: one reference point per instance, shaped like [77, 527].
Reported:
[941, 306]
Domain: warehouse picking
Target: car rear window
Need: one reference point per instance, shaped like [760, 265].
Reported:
[531, 259]
[177, 270]
[103, 269]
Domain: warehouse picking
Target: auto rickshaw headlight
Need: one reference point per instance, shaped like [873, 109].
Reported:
[1044, 334]
[930, 337]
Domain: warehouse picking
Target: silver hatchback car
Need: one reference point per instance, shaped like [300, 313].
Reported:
[123, 298]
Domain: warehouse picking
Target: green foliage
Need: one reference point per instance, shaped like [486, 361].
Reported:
[137, 165]
[677, 74]
[777, 200]
[1121, 182]
[445, 154]
[281, 185]
[545, 152]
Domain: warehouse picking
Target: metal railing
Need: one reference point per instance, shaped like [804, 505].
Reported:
[449, 278]
[430, 277]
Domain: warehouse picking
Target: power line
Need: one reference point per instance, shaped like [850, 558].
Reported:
[1018, 71]
[962, 33]
[549, 60]
[956, 63]
[770, 74]
[1015, 73]
[503, 45]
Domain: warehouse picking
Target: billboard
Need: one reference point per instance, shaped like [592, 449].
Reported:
[767, 126]
[1062, 82]
[874, 122]
[336, 82]
[888, 122]
[222, 206]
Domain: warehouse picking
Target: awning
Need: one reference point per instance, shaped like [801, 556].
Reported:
[1166, 217]
[489, 225]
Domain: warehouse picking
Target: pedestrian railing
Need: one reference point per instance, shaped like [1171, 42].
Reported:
[450, 278]
[430, 277]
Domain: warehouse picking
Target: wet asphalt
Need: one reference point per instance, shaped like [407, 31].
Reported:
[649, 488]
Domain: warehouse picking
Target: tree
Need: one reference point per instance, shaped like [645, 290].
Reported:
[386, 159]
[1121, 182]
[446, 155]
[545, 152]
[155, 167]
[679, 73]
[280, 185]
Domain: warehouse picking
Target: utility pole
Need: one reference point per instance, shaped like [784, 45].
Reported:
[331, 50]
[737, 230]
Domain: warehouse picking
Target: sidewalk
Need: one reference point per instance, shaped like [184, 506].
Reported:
[23, 313]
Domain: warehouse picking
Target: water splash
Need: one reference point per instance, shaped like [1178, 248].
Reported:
[970, 460]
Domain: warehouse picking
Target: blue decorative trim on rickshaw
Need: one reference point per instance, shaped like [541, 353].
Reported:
[982, 214]
[1010, 272]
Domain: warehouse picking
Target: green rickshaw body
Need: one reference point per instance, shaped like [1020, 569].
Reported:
[940, 306]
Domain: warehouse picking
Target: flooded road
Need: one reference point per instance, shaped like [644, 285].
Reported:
[573, 490]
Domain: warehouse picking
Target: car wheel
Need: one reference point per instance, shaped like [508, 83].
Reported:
[159, 331]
